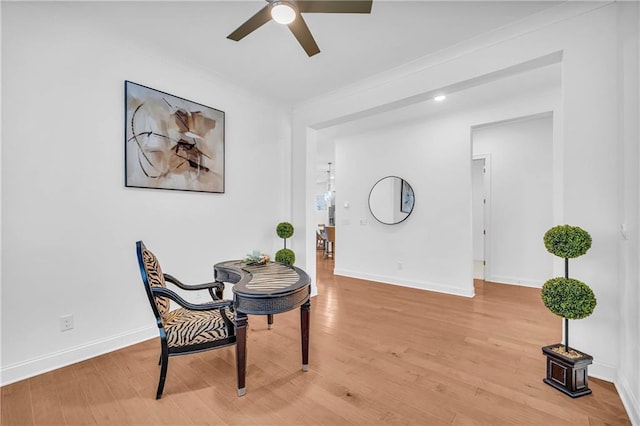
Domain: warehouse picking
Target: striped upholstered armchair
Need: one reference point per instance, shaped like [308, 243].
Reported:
[190, 328]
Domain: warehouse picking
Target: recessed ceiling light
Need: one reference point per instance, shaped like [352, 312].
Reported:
[283, 13]
[440, 98]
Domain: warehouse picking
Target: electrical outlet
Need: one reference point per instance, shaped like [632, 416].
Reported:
[66, 322]
[400, 265]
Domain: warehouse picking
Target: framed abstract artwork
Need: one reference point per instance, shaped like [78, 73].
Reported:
[406, 197]
[171, 142]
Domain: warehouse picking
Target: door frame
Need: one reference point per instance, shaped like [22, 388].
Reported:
[487, 211]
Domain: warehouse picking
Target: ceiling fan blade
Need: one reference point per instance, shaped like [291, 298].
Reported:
[300, 29]
[334, 6]
[256, 21]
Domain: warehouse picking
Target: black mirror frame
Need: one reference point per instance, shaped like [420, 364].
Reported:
[369, 200]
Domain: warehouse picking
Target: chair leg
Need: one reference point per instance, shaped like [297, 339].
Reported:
[164, 361]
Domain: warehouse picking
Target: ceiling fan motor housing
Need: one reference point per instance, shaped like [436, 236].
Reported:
[283, 12]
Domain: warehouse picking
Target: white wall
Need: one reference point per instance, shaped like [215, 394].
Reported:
[521, 195]
[433, 243]
[69, 224]
[628, 380]
[432, 249]
[587, 160]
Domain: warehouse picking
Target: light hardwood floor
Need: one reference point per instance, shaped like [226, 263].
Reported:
[380, 354]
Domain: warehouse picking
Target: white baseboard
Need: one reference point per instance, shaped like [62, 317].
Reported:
[524, 282]
[631, 404]
[602, 371]
[422, 285]
[52, 361]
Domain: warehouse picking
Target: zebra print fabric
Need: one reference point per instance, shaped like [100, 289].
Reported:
[156, 279]
[184, 327]
[270, 277]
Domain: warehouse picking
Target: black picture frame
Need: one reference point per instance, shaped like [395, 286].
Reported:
[406, 197]
[172, 143]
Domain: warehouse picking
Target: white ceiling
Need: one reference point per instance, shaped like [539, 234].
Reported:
[270, 61]
[541, 81]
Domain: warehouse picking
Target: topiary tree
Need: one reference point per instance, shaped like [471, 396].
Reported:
[567, 297]
[284, 230]
[567, 241]
[286, 256]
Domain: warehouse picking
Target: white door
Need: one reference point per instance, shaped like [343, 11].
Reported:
[478, 219]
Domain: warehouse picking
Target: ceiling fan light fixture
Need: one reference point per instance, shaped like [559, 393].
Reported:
[283, 13]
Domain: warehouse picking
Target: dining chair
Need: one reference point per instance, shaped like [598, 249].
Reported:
[330, 242]
[320, 239]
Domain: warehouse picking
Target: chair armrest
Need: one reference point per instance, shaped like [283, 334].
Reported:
[204, 286]
[215, 288]
[165, 292]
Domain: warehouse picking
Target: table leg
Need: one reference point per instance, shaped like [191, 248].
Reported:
[241, 351]
[304, 333]
[269, 321]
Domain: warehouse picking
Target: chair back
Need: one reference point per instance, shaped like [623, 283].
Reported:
[331, 233]
[152, 276]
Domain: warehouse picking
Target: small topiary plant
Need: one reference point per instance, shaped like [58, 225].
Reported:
[568, 298]
[284, 230]
[567, 241]
[564, 296]
[286, 256]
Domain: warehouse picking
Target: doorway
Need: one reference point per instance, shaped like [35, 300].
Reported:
[480, 210]
[512, 199]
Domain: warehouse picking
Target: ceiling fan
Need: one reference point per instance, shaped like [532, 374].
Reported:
[289, 12]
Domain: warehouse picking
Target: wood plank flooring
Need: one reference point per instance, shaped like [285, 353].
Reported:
[379, 354]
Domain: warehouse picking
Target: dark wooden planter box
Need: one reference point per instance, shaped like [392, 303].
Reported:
[568, 375]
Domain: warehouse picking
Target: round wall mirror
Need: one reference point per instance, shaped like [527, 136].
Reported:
[391, 200]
